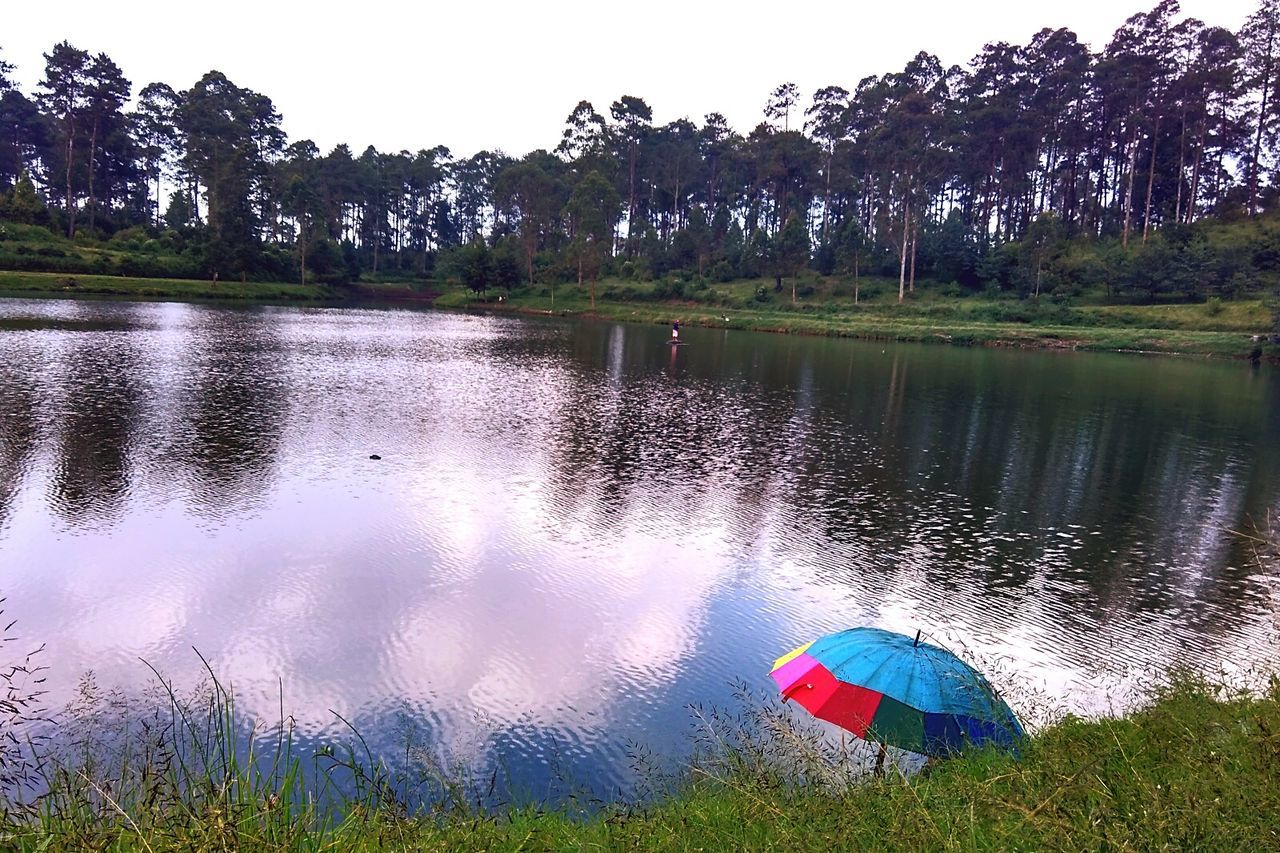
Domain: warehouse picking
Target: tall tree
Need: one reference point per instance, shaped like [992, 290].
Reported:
[155, 123]
[532, 196]
[791, 253]
[1260, 38]
[231, 134]
[65, 97]
[107, 90]
[632, 119]
[593, 210]
[584, 135]
[21, 129]
[300, 197]
[780, 104]
[828, 124]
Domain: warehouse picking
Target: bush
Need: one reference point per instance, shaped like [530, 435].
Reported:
[1213, 307]
[130, 239]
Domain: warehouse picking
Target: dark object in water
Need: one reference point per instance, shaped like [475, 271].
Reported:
[374, 456]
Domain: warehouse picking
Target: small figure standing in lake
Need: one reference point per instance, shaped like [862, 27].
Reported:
[675, 331]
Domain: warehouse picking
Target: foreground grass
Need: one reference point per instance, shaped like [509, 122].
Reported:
[72, 285]
[1219, 329]
[1196, 769]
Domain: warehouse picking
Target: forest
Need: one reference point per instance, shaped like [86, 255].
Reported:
[1148, 168]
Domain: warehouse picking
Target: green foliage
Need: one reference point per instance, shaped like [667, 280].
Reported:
[23, 205]
[1000, 174]
[1195, 768]
[42, 283]
[471, 265]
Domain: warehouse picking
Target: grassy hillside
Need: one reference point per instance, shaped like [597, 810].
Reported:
[133, 252]
[826, 306]
[73, 285]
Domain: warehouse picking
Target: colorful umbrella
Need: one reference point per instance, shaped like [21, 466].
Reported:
[888, 688]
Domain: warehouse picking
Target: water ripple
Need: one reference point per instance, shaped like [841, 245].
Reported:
[574, 531]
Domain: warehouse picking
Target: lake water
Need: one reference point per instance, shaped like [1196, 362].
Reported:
[576, 531]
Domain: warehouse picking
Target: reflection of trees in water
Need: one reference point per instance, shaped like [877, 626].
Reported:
[230, 420]
[18, 428]
[634, 431]
[1102, 483]
[96, 429]
[1068, 460]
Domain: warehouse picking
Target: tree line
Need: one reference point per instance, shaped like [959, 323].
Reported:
[982, 175]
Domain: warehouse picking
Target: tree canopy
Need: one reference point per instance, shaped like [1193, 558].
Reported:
[929, 168]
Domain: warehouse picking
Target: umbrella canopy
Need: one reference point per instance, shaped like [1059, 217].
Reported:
[889, 688]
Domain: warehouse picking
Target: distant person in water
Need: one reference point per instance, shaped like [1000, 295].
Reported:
[675, 331]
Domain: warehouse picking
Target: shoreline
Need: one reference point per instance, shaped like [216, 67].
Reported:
[1196, 766]
[915, 322]
[1236, 346]
[43, 285]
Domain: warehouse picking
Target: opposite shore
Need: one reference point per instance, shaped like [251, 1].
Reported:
[1243, 329]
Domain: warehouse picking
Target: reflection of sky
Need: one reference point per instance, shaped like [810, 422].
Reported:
[574, 532]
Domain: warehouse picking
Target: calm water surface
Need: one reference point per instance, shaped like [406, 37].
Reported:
[576, 531]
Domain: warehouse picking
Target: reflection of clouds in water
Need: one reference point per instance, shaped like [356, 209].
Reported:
[574, 531]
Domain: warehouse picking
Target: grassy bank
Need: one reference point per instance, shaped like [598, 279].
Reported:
[1196, 769]
[73, 285]
[823, 307]
[827, 307]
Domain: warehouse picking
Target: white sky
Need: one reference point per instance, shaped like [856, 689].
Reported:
[505, 75]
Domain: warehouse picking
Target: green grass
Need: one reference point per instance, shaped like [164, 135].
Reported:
[130, 252]
[1197, 768]
[826, 307]
[1225, 330]
[73, 285]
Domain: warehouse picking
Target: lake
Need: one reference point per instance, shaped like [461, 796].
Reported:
[576, 531]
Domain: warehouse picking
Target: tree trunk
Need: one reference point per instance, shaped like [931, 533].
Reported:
[826, 194]
[631, 205]
[1182, 166]
[1151, 180]
[93, 155]
[902, 266]
[1128, 193]
[1194, 190]
[1262, 120]
[911, 281]
[71, 207]
[855, 278]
